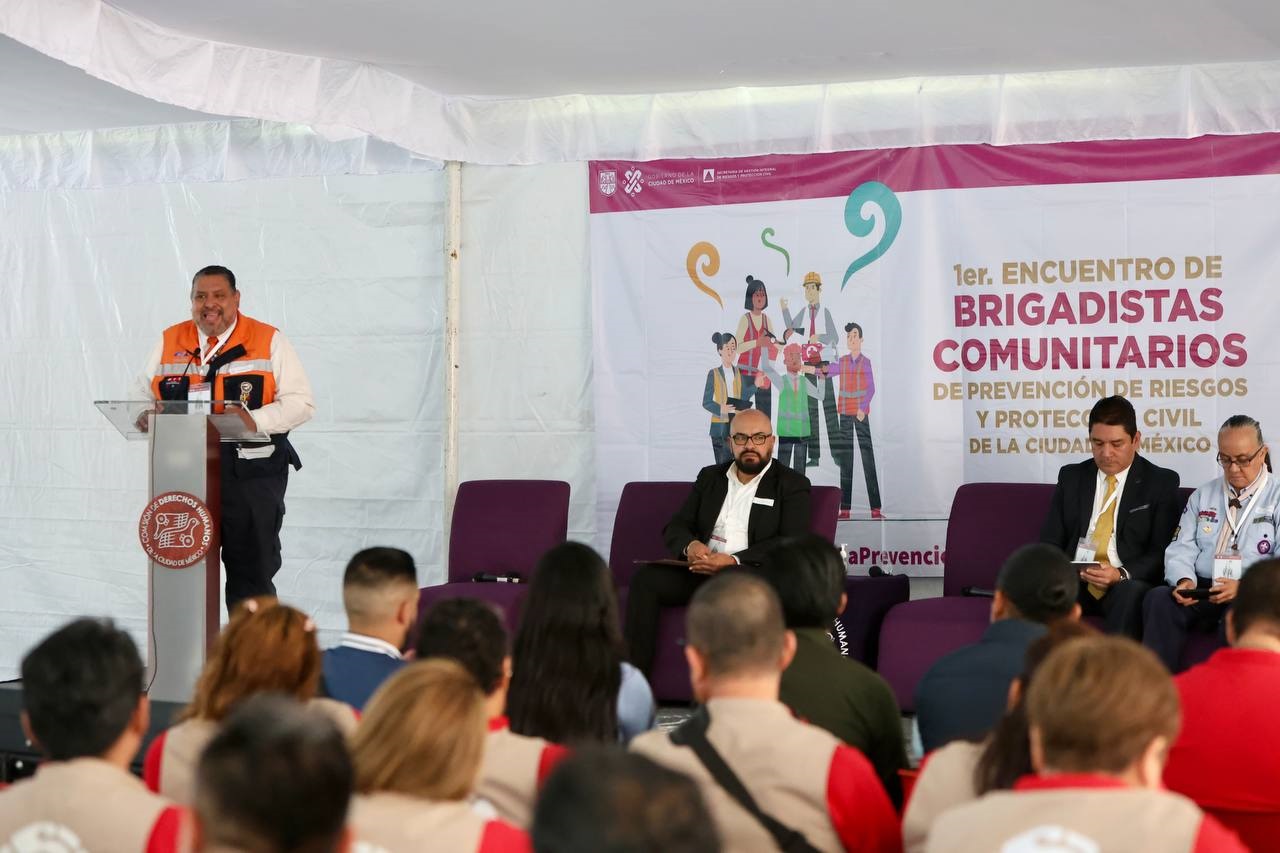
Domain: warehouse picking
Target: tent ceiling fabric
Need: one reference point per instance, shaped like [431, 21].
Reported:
[512, 84]
[564, 47]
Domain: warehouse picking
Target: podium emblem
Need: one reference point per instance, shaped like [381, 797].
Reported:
[176, 530]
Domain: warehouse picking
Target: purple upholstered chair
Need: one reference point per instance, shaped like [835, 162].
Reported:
[988, 522]
[645, 508]
[498, 527]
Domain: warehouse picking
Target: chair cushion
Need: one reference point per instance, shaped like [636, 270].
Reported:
[917, 633]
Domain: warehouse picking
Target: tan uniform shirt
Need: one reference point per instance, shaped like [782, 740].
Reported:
[397, 823]
[184, 743]
[945, 782]
[1108, 819]
[783, 762]
[509, 775]
[81, 805]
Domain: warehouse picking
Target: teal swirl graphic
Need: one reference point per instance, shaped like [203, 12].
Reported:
[861, 226]
[764, 238]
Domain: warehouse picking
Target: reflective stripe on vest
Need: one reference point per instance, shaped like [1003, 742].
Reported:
[184, 338]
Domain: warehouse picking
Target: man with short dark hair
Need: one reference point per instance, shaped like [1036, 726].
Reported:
[734, 510]
[605, 800]
[820, 685]
[1115, 512]
[1101, 712]
[472, 633]
[1224, 757]
[223, 355]
[83, 705]
[965, 693]
[380, 595]
[276, 778]
[800, 777]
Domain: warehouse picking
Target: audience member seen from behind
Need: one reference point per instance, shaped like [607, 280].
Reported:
[380, 595]
[964, 693]
[963, 770]
[800, 775]
[266, 647]
[822, 686]
[1103, 712]
[1229, 524]
[417, 756]
[276, 778]
[605, 800]
[471, 633]
[1224, 757]
[569, 682]
[84, 708]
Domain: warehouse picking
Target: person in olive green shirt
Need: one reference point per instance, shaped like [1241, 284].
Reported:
[822, 686]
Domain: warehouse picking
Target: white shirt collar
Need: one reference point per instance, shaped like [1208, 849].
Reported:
[365, 643]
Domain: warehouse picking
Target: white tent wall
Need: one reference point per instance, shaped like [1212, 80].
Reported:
[348, 266]
[525, 331]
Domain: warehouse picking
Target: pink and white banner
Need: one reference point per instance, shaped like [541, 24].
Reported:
[914, 319]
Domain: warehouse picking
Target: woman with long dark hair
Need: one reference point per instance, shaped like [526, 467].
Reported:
[569, 681]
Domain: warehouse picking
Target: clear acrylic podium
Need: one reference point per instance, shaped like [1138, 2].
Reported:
[183, 605]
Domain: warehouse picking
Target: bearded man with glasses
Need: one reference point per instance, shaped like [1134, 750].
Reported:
[736, 509]
[1229, 524]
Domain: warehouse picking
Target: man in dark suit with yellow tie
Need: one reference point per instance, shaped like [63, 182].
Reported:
[734, 510]
[1116, 511]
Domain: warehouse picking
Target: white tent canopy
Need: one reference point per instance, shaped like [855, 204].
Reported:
[519, 84]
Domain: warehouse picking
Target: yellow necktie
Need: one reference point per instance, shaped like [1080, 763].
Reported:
[1102, 533]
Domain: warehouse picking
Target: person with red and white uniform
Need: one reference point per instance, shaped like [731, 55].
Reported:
[84, 707]
[417, 756]
[471, 633]
[1102, 713]
[798, 775]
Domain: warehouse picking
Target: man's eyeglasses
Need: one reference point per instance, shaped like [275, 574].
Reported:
[758, 438]
[1238, 461]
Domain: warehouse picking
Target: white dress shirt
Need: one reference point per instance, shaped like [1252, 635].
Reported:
[729, 535]
[1100, 491]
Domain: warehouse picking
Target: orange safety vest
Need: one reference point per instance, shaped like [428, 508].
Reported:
[247, 379]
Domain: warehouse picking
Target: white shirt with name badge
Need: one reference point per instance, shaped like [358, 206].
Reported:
[729, 536]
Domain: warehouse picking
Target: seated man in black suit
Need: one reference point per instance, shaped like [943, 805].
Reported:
[1116, 510]
[735, 509]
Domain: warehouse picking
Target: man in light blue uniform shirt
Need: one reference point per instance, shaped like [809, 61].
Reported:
[1228, 525]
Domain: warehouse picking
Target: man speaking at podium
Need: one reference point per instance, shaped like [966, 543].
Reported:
[220, 354]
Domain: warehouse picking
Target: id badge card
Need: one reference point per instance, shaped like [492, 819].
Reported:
[1086, 551]
[1226, 566]
[199, 392]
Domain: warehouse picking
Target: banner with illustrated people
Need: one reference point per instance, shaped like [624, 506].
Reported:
[915, 319]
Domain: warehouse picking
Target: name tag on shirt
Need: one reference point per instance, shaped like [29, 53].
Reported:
[1226, 566]
[763, 501]
[199, 392]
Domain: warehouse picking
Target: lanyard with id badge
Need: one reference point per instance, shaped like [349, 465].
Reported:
[1088, 548]
[1228, 565]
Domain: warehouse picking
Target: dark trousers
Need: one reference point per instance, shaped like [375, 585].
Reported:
[1166, 623]
[763, 398]
[849, 427]
[252, 514]
[792, 452]
[832, 419]
[1120, 609]
[720, 447]
[653, 588]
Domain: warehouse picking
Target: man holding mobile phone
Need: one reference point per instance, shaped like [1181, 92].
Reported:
[1229, 524]
[1115, 513]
